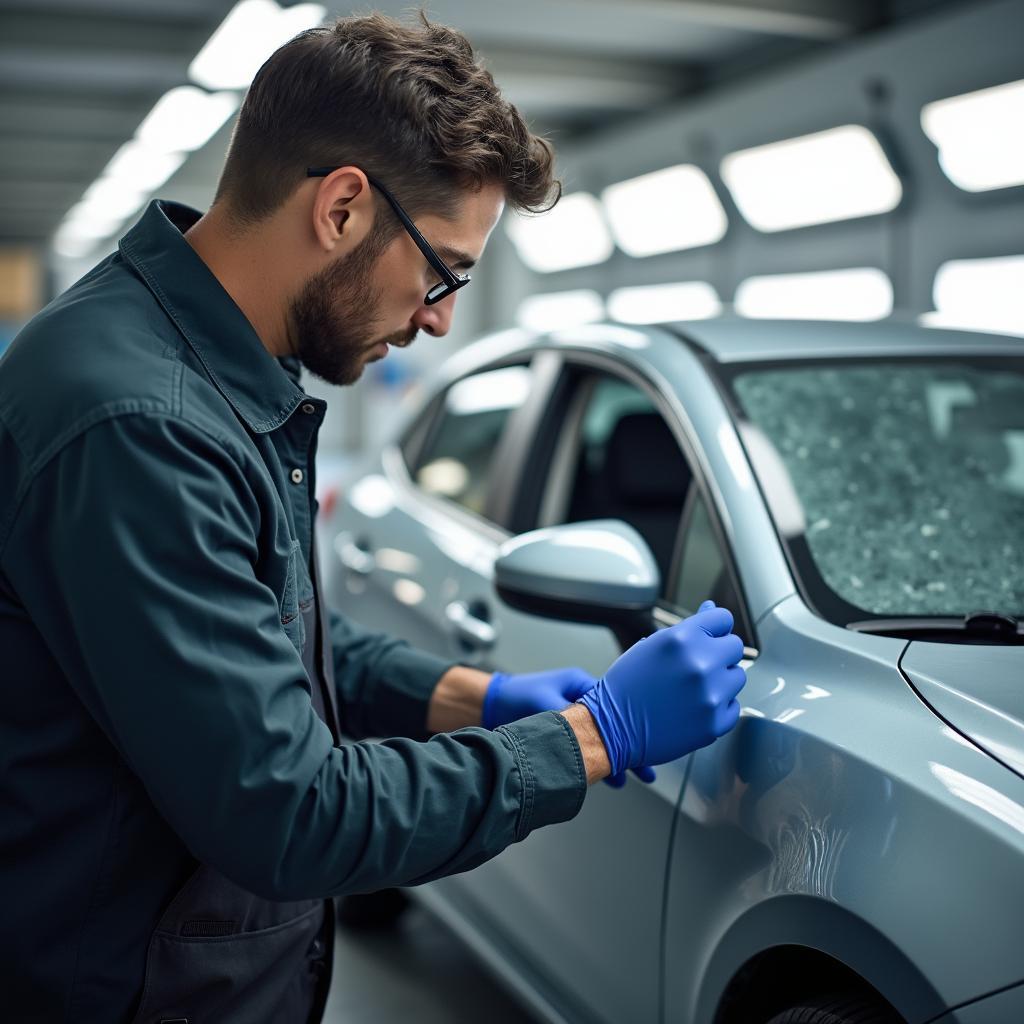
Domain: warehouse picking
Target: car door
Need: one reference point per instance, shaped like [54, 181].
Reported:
[575, 909]
[580, 905]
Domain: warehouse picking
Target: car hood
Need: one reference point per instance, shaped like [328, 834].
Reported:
[979, 690]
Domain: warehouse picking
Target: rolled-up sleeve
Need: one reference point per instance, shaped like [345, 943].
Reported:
[134, 551]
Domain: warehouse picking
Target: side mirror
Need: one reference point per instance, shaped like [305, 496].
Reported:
[600, 572]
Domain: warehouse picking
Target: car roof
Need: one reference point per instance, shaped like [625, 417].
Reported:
[738, 340]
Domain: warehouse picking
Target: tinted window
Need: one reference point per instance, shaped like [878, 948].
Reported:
[902, 482]
[627, 465]
[458, 457]
[703, 574]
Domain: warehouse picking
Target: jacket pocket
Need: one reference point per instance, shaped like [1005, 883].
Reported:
[220, 954]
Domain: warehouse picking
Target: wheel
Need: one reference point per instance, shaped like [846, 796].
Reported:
[372, 910]
[838, 1008]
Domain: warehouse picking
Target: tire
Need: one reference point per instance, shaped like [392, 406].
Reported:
[372, 910]
[838, 1008]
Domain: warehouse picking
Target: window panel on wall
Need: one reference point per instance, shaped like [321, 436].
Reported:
[555, 310]
[813, 179]
[667, 210]
[659, 303]
[980, 295]
[979, 136]
[858, 293]
[573, 234]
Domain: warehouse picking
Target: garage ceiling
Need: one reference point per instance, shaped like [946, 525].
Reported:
[78, 76]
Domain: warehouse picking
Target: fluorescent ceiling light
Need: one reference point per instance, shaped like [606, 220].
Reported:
[185, 119]
[250, 33]
[979, 295]
[73, 242]
[86, 219]
[112, 199]
[650, 304]
[979, 136]
[675, 208]
[814, 179]
[140, 168]
[560, 309]
[861, 293]
[573, 234]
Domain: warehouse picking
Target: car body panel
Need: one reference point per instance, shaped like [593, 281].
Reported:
[735, 340]
[978, 691]
[836, 816]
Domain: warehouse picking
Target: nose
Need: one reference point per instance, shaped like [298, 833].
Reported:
[435, 320]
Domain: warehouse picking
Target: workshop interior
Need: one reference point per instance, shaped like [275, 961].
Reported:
[766, 350]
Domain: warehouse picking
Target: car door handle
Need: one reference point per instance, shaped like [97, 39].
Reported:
[354, 557]
[468, 627]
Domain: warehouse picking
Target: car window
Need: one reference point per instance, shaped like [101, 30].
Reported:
[703, 573]
[457, 458]
[620, 460]
[905, 481]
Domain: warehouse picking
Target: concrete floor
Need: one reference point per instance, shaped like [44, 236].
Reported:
[415, 971]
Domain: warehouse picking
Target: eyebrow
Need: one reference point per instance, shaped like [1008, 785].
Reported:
[455, 258]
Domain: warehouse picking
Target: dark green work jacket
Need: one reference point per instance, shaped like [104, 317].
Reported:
[176, 799]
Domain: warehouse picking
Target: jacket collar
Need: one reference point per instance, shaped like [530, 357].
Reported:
[244, 372]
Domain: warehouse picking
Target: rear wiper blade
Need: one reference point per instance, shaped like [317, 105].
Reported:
[984, 626]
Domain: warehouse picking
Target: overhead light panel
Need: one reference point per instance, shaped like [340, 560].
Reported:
[110, 198]
[979, 295]
[814, 179]
[660, 303]
[860, 293]
[185, 119]
[141, 168]
[573, 234]
[667, 210]
[979, 136]
[250, 33]
[556, 310]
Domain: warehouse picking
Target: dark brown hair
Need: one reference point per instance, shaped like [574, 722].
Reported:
[409, 104]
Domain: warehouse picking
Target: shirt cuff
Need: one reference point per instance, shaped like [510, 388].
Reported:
[551, 766]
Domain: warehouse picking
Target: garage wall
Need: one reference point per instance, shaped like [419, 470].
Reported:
[880, 82]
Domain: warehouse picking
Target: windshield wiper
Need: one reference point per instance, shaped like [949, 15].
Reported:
[980, 627]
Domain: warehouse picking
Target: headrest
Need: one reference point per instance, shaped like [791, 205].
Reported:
[643, 461]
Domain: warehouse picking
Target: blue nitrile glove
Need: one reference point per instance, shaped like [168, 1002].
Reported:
[510, 697]
[672, 692]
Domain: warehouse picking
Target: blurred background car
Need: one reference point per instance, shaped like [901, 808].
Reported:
[855, 494]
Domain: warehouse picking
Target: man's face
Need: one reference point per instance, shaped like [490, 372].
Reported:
[349, 312]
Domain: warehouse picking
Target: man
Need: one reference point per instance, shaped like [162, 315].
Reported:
[181, 778]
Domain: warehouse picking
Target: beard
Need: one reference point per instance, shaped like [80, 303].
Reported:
[334, 316]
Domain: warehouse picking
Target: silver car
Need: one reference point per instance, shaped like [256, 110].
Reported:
[853, 851]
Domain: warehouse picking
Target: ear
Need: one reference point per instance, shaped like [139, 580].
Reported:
[342, 209]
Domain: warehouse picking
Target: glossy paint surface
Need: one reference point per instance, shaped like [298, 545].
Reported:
[979, 690]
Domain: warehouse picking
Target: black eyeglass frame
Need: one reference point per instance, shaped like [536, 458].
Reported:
[450, 281]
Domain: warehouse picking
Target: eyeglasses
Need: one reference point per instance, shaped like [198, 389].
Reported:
[450, 281]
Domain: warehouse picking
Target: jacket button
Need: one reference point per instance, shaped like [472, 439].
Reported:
[308, 408]
[297, 476]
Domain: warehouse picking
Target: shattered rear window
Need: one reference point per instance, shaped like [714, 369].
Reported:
[909, 481]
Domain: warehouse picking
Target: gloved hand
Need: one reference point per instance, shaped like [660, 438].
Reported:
[671, 693]
[510, 697]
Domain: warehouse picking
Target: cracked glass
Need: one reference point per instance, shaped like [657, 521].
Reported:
[898, 486]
